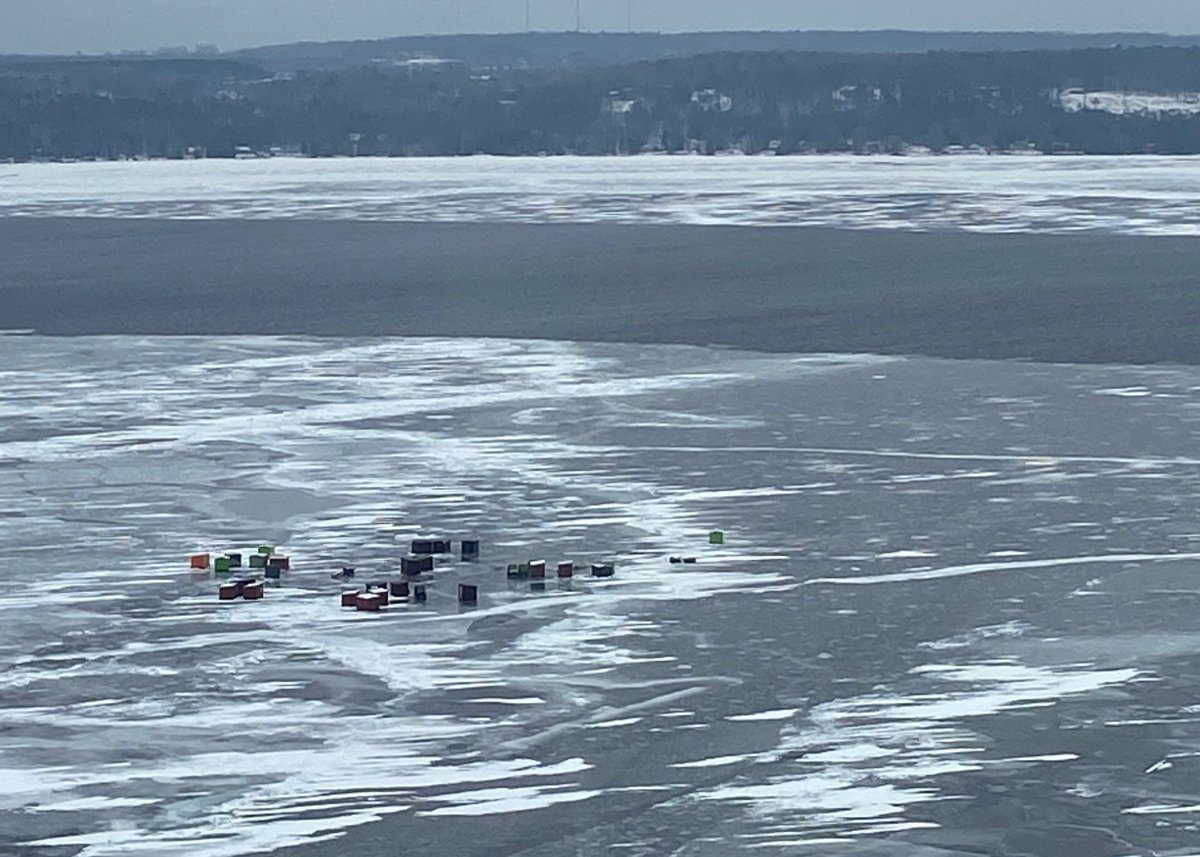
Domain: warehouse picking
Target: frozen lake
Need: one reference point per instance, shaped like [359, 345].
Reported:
[956, 608]
[955, 612]
[1134, 195]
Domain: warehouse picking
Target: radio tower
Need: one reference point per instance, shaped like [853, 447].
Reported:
[528, 18]
[578, 16]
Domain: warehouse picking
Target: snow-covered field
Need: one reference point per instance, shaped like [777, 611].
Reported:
[1130, 103]
[1137, 195]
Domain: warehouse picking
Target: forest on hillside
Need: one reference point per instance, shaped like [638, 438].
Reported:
[752, 102]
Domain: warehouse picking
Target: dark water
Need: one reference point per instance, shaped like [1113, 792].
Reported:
[1095, 298]
[955, 612]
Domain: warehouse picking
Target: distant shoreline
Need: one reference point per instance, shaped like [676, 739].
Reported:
[528, 94]
[1086, 298]
[964, 152]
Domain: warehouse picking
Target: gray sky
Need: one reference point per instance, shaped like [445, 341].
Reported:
[66, 26]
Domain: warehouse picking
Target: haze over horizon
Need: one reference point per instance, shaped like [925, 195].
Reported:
[97, 26]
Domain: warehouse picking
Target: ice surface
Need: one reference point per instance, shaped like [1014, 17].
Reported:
[1145, 195]
[755, 695]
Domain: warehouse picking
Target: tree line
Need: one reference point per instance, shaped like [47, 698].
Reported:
[752, 102]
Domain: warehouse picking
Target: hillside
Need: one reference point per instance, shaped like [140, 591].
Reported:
[1110, 101]
[590, 50]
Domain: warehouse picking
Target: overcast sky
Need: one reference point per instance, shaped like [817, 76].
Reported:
[66, 26]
